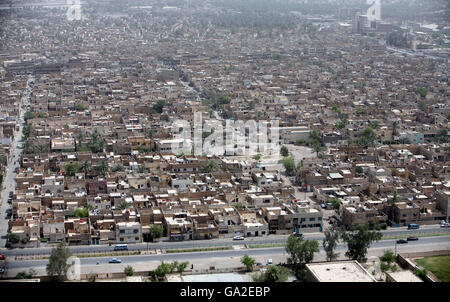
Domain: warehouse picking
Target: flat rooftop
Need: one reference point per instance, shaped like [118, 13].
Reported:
[340, 271]
[404, 276]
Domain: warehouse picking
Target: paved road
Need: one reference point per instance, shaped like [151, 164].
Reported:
[271, 239]
[224, 259]
[10, 179]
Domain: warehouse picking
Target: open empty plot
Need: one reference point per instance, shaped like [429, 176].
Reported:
[438, 265]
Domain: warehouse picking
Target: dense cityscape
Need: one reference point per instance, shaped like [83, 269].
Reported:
[225, 141]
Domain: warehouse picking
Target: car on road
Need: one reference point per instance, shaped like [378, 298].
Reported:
[2, 270]
[10, 200]
[297, 234]
[115, 260]
[444, 224]
[238, 238]
[412, 238]
[400, 241]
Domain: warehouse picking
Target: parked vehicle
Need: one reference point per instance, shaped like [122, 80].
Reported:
[323, 206]
[413, 226]
[412, 238]
[115, 260]
[238, 238]
[269, 261]
[2, 257]
[259, 264]
[297, 234]
[401, 241]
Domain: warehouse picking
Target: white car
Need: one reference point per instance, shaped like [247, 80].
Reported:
[269, 261]
[444, 224]
[238, 238]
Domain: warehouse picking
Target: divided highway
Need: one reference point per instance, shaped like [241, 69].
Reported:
[226, 258]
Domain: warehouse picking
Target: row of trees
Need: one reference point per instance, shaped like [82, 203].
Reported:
[301, 252]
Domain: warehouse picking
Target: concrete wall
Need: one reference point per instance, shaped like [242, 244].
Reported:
[406, 261]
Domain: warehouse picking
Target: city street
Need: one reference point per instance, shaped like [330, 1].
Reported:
[9, 181]
[163, 245]
[226, 258]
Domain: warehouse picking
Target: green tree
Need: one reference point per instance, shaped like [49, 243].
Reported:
[248, 261]
[151, 133]
[58, 265]
[103, 167]
[129, 271]
[314, 135]
[24, 275]
[158, 107]
[442, 136]
[162, 270]
[85, 166]
[391, 203]
[182, 266]
[80, 107]
[274, 273]
[289, 165]
[13, 238]
[367, 137]
[117, 168]
[211, 166]
[284, 151]
[358, 169]
[71, 169]
[422, 274]
[257, 157]
[359, 240]
[28, 115]
[388, 256]
[422, 91]
[336, 203]
[330, 242]
[81, 212]
[123, 205]
[142, 169]
[156, 231]
[301, 252]
[448, 116]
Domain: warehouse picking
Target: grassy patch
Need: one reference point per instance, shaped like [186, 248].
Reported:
[414, 235]
[206, 249]
[108, 254]
[438, 265]
[267, 245]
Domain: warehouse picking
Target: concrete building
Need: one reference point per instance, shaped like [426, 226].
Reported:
[338, 271]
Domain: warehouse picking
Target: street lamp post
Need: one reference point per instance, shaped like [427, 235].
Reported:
[395, 249]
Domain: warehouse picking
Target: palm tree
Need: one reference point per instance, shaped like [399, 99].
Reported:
[103, 167]
[85, 166]
[392, 201]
